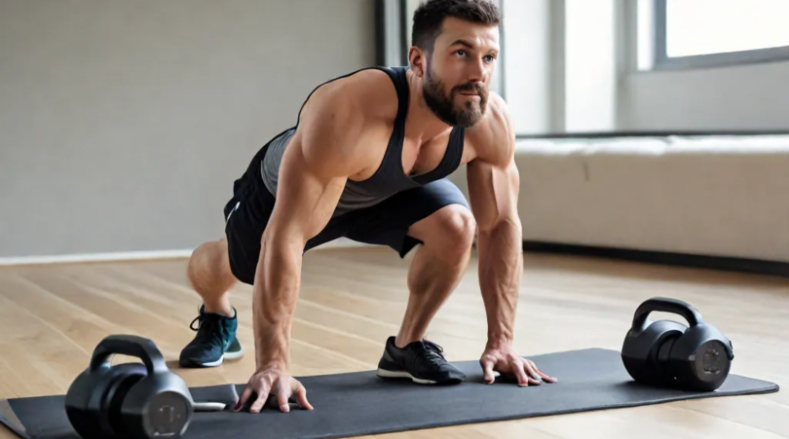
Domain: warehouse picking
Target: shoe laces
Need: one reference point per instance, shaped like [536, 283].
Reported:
[433, 353]
[209, 327]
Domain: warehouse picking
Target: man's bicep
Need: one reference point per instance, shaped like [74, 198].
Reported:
[493, 191]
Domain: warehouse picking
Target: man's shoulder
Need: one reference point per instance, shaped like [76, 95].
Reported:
[341, 116]
[367, 95]
[493, 136]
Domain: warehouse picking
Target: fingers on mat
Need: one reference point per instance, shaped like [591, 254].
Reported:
[489, 375]
[301, 398]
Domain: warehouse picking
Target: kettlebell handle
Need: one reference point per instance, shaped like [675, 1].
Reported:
[131, 345]
[666, 304]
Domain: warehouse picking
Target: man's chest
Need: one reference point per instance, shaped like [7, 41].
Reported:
[420, 157]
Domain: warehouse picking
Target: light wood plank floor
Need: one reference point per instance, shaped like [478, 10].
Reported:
[51, 318]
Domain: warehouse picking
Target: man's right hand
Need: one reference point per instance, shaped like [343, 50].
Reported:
[276, 381]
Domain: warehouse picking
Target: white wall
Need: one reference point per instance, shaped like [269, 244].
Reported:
[560, 64]
[123, 124]
[750, 97]
[590, 63]
[527, 64]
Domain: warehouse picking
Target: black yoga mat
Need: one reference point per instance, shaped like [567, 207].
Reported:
[360, 403]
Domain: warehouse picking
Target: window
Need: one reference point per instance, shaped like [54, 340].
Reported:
[709, 33]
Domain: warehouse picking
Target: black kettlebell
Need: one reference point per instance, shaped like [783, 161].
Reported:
[130, 400]
[665, 353]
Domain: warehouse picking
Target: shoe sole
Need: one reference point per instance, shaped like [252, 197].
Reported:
[229, 356]
[234, 355]
[383, 373]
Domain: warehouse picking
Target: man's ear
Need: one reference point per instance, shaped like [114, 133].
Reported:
[418, 61]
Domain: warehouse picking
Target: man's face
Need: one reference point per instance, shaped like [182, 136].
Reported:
[459, 70]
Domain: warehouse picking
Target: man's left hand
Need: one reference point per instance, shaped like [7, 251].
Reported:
[506, 361]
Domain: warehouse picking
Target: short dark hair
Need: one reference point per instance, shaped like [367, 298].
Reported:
[430, 15]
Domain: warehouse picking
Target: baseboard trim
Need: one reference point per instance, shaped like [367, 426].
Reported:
[95, 257]
[136, 255]
[755, 266]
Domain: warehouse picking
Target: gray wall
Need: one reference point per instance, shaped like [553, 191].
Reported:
[123, 124]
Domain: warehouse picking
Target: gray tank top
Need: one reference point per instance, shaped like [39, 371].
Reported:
[389, 178]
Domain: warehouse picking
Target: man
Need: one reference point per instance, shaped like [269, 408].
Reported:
[368, 160]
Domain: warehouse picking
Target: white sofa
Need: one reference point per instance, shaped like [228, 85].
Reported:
[711, 195]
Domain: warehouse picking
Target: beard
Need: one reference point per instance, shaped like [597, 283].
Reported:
[443, 103]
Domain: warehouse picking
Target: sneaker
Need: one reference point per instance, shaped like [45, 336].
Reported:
[421, 361]
[215, 341]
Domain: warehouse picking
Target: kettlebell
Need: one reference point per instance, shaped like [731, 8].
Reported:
[666, 353]
[130, 400]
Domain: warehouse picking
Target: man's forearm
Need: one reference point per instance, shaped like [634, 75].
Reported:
[275, 294]
[500, 253]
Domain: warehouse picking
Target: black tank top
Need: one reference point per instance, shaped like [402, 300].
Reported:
[389, 178]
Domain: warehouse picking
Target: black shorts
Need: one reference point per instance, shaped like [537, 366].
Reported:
[386, 223]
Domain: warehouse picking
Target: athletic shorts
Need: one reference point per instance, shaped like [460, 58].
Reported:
[386, 223]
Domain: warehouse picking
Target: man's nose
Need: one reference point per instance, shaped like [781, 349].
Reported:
[477, 71]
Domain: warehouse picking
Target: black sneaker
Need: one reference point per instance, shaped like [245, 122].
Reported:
[421, 361]
[215, 341]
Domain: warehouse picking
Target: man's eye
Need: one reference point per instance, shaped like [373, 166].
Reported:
[461, 52]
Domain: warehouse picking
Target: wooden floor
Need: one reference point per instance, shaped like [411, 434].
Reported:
[51, 318]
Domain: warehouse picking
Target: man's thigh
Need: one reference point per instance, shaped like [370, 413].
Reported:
[246, 216]
[387, 223]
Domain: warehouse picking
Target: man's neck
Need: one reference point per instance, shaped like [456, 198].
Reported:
[421, 122]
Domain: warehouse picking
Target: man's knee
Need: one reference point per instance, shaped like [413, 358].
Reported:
[451, 231]
[208, 268]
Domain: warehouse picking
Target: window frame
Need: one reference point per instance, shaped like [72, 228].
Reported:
[661, 61]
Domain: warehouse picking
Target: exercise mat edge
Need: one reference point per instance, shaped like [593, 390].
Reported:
[9, 419]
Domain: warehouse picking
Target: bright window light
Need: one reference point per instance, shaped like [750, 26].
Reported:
[702, 27]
